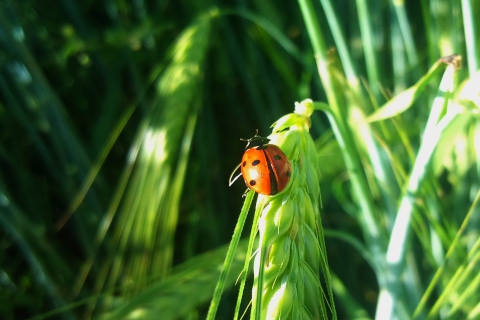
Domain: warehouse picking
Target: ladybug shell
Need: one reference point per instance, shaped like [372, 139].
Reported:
[266, 169]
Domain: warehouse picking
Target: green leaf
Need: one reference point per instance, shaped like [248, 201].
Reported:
[405, 99]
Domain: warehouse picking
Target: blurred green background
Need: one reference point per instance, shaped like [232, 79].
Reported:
[120, 123]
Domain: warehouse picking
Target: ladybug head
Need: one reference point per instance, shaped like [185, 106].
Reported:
[255, 141]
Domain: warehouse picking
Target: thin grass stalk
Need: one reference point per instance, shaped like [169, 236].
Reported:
[178, 180]
[41, 259]
[370, 227]
[102, 231]
[249, 256]
[382, 172]
[93, 173]
[367, 144]
[399, 65]
[451, 250]
[407, 37]
[319, 48]
[337, 119]
[470, 39]
[103, 228]
[466, 287]
[388, 298]
[212, 310]
[445, 38]
[341, 43]
[446, 291]
[368, 43]
[476, 144]
[428, 16]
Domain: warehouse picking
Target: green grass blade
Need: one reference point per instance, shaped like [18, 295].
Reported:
[407, 37]
[368, 43]
[90, 178]
[188, 286]
[353, 309]
[273, 31]
[149, 211]
[248, 257]
[338, 118]
[451, 250]
[341, 43]
[404, 100]
[42, 261]
[399, 235]
[212, 311]
[470, 39]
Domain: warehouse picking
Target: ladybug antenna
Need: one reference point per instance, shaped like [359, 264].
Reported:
[255, 141]
[253, 138]
[232, 180]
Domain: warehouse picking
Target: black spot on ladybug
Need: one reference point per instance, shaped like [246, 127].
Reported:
[277, 157]
[262, 147]
[255, 162]
[244, 163]
[253, 182]
[288, 174]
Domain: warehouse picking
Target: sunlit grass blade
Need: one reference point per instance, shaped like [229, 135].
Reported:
[338, 117]
[341, 42]
[148, 216]
[470, 39]
[466, 290]
[382, 181]
[399, 236]
[405, 99]
[474, 313]
[368, 43]
[451, 251]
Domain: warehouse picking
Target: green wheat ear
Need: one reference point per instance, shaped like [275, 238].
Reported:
[291, 255]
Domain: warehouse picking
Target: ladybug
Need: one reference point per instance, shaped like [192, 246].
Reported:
[265, 168]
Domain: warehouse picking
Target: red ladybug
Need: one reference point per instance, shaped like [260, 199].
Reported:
[265, 168]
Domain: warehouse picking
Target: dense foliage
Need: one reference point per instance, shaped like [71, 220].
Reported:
[120, 124]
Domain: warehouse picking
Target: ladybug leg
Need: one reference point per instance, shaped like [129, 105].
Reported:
[245, 193]
[232, 179]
